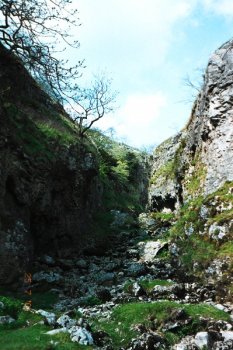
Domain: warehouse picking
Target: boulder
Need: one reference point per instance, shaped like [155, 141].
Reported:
[149, 250]
[50, 317]
[44, 276]
[57, 331]
[186, 343]
[80, 335]
[66, 322]
[147, 341]
[202, 339]
[225, 345]
[105, 278]
[6, 319]
[137, 290]
[136, 270]
[227, 335]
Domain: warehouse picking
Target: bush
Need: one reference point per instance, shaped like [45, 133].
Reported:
[12, 307]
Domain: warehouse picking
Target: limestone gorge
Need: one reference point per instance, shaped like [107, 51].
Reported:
[104, 246]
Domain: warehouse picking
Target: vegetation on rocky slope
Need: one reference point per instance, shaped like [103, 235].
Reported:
[202, 230]
[128, 318]
[161, 276]
[28, 331]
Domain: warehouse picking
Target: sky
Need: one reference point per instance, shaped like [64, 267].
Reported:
[149, 48]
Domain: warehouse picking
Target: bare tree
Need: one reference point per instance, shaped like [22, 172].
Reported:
[92, 104]
[195, 84]
[32, 29]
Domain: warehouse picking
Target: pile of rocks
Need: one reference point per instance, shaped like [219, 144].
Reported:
[95, 285]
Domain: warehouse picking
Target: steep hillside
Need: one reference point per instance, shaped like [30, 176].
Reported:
[52, 181]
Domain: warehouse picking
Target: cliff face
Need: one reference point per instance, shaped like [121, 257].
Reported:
[49, 186]
[52, 182]
[199, 159]
[190, 194]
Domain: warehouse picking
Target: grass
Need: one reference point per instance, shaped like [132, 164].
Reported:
[190, 230]
[24, 319]
[208, 311]
[188, 216]
[125, 317]
[90, 301]
[172, 168]
[35, 133]
[163, 216]
[166, 171]
[51, 133]
[34, 338]
[224, 193]
[196, 249]
[40, 300]
[226, 249]
[148, 285]
[194, 183]
[26, 333]
[221, 218]
[12, 306]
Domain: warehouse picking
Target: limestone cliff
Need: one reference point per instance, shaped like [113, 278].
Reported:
[190, 194]
[199, 159]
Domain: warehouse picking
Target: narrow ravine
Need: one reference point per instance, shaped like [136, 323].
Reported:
[134, 297]
[103, 246]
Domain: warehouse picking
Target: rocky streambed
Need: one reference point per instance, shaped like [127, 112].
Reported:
[133, 297]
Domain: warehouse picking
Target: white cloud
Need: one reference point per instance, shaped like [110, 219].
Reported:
[145, 46]
[222, 7]
[137, 119]
[132, 40]
[140, 109]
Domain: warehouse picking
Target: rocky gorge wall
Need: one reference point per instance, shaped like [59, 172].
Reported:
[190, 192]
[198, 160]
[53, 184]
[45, 204]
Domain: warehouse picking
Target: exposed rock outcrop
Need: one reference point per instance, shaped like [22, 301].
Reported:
[199, 159]
[190, 194]
[51, 184]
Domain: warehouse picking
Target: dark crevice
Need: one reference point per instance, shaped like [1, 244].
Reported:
[159, 203]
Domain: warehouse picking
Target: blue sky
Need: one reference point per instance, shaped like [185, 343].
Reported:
[149, 47]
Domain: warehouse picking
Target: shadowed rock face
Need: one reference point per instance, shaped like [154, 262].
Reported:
[45, 207]
[203, 150]
[159, 203]
[165, 186]
[50, 188]
[45, 204]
